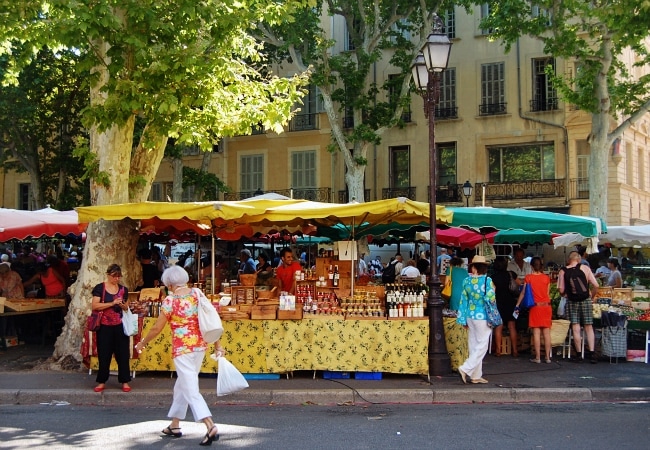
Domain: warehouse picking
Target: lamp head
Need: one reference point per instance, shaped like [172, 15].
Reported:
[467, 189]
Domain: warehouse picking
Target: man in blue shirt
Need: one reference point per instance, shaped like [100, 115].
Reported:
[247, 265]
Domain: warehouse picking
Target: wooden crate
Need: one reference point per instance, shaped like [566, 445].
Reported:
[290, 314]
[622, 296]
[263, 312]
[242, 294]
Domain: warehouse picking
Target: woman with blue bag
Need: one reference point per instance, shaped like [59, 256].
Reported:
[538, 285]
[477, 311]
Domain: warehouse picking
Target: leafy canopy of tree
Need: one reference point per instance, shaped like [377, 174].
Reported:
[40, 119]
[609, 43]
[346, 78]
[190, 70]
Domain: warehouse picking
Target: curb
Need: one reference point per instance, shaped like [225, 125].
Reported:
[332, 396]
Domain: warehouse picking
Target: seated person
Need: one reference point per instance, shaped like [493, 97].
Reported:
[11, 285]
[53, 284]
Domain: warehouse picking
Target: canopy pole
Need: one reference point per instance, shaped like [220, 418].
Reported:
[354, 261]
[213, 260]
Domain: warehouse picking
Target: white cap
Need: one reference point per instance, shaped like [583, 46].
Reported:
[4, 257]
[73, 254]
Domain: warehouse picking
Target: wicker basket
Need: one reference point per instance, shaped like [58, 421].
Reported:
[248, 279]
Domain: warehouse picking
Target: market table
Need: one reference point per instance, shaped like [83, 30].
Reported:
[334, 344]
[22, 307]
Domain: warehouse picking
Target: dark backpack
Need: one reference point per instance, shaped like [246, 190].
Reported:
[388, 275]
[576, 286]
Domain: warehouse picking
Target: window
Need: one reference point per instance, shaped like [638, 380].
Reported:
[485, 13]
[191, 150]
[493, 89]
[640, 169]
[156, 194]
[521, 163]
[305, 119]
[544, 95]
[446, 163]
[349, 38]
[252, 173]
[394, 91]
[629, 163]
[400, 163]
[24, 196]
[449, 19]
[537, 11]
[303, 169]
[446, 107]
[582, 164]
[401, 30]
[188, 193]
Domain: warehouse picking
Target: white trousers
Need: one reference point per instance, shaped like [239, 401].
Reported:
[186, 388]
[479, 339]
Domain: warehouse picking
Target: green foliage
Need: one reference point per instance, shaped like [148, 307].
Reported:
[589, 34]
[41, 122]
[206, 184]
[187, 69]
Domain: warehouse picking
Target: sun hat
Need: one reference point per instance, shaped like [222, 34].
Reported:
[478, 259]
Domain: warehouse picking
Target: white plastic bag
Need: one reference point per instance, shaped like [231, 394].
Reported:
[561, 308]
[129, 323]
[229, 380]
[209, 320]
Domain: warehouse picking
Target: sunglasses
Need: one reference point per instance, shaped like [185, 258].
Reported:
[114, 275]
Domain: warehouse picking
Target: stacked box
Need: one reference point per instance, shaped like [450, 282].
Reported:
[367, 375]
[329, 375]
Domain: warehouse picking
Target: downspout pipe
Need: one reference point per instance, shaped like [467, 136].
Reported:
[543, 122]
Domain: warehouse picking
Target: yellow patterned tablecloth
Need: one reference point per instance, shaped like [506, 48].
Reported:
[279, 346]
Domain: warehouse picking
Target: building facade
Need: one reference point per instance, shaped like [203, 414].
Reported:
[499, 125]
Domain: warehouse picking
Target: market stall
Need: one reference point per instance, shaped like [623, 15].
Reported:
[281, 346]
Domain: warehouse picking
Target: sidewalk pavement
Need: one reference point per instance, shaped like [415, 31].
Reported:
[511, 380]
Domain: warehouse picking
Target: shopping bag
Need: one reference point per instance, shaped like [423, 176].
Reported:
[230, 380]
[209, 320]
[528, 301]
[613, 319]
[94, 320]
[614, 342]
[561, 308]
[129, 323]
[492, 312]
[446, 291]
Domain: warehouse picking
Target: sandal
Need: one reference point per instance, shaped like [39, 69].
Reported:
[207, 440]
[169, 431]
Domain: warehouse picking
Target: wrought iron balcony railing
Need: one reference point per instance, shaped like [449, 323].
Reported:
[491, 109]
[447, 113]
[344, 196]
[579, 188]
[522, 190]
[408, 192]
[302, 122]
[550, 104]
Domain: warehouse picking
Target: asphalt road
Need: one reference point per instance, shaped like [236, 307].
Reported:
[534, 426]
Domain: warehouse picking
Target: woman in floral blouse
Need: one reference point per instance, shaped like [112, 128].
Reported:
[180, 310]
[477, 289]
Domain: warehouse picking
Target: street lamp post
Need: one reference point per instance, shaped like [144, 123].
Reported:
[426, 71]
[467, 191]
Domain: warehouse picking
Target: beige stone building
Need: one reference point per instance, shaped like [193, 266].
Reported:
[500, 126]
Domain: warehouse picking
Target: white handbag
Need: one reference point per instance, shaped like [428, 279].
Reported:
[129, 323]
[209, 320]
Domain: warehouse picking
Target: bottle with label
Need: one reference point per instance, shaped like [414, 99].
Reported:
[336, 277]
[330, 276]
